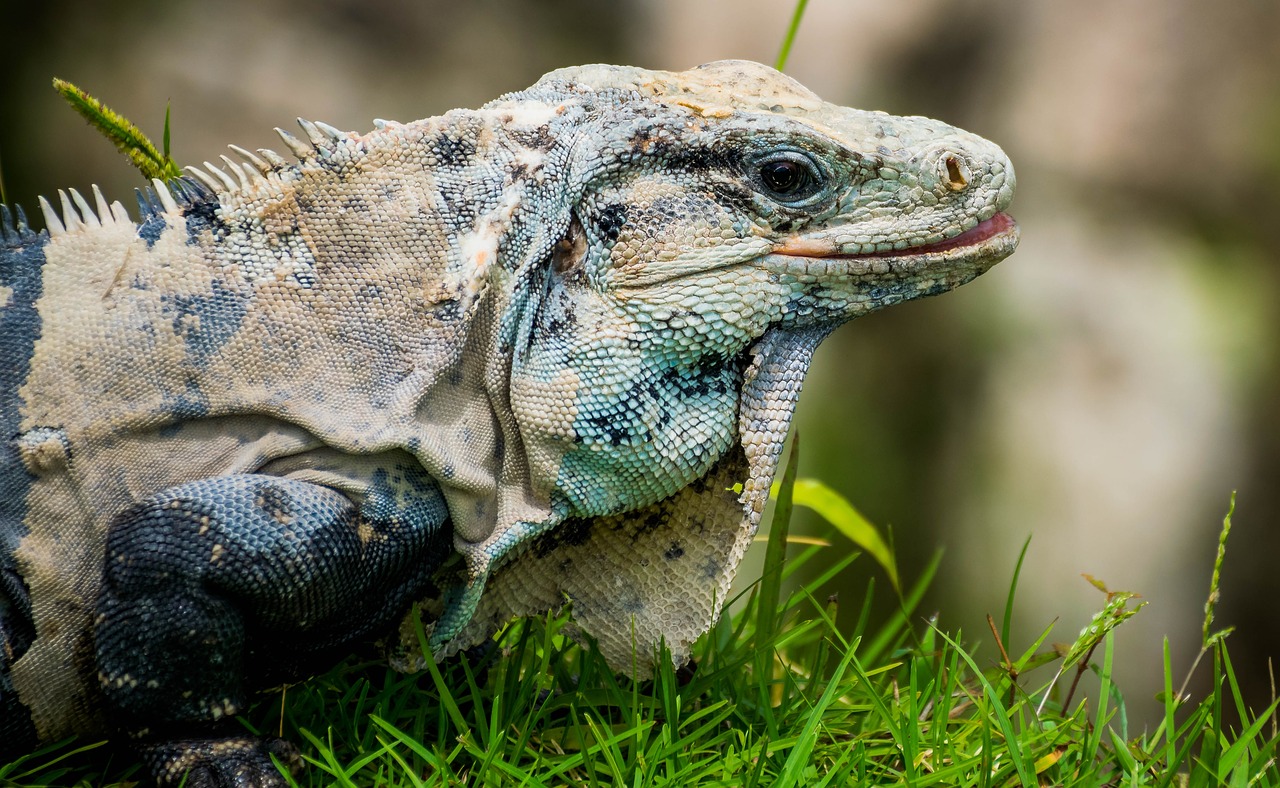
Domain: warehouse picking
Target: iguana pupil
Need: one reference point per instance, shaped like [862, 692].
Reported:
[784, 176]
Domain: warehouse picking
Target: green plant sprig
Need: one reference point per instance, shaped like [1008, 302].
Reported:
[127, 137]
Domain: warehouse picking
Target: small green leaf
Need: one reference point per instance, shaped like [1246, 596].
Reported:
[836, 509]
[167, 107]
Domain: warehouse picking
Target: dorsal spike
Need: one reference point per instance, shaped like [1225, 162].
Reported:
[7, 230]
[276, 161]
[24, 227]
[204, 178]
[119, 213]
[86, 213]
[334, 133]
[189, 191]
[146, 206]
[299, 148]
[181, 194]
[238, 170]
[164, 195]
[254, 178]
[252, 158]
[70, 219]
[198, 189]
[318, 138]
[51, 220]
[104, 210]
[217, 172]
[258, 176]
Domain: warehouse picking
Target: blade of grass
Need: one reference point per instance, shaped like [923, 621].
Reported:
[1013, 587]
[839, 512]
[886, 716]
[9, 771]
[1026, 771]
[785, 52]
[1237, 750]
[767, 600]
[906, 606]
[1093, 742]
[775, 554]
[798, 758]
[442, 687]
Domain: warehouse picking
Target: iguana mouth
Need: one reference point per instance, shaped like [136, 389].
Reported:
[994, 237]
[1001, 226]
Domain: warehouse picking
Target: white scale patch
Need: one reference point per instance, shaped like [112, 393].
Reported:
[479, 249]
[529, 114]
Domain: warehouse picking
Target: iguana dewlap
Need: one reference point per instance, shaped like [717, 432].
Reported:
[242, 435]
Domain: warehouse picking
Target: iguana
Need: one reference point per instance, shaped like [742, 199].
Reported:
[455, 370]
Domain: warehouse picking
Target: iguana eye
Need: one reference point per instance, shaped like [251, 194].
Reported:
[788, 176]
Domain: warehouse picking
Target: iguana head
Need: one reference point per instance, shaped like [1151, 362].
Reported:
[716, 205]
[734, 172]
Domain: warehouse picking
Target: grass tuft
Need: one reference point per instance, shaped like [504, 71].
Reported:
[778, 696]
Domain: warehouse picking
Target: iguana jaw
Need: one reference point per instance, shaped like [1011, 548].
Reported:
[988, 242]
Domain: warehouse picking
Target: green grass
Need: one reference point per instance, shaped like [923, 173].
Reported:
[780, 697]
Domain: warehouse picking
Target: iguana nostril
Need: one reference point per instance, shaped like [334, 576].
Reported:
[957, 174]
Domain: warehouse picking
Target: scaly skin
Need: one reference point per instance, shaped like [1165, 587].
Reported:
[548, 336]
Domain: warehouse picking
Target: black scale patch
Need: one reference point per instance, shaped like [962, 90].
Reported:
[21, 261]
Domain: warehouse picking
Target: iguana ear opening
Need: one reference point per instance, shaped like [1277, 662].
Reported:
[660, 574]
[571, 249]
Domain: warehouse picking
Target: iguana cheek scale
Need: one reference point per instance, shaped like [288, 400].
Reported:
[456, 370]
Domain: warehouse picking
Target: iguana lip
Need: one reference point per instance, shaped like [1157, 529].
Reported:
[996, 232]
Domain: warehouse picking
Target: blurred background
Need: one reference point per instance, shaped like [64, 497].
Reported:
[1103, 391]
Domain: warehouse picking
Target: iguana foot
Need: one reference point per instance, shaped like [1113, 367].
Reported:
[220, 762]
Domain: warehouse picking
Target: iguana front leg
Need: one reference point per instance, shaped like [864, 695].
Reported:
[216, 588]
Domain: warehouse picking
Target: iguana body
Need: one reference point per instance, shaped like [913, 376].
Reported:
[243, 435]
